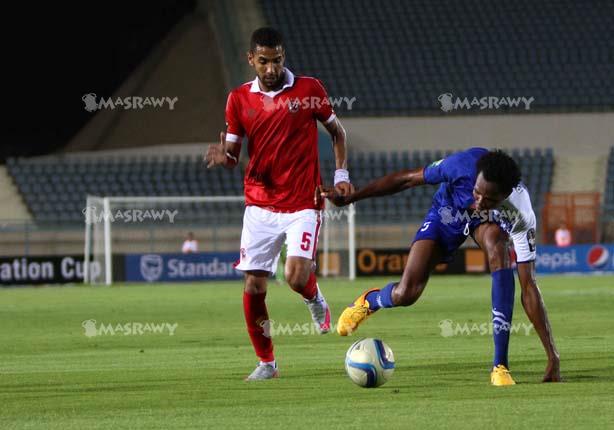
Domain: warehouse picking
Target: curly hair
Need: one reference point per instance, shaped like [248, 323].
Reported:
[498, 167]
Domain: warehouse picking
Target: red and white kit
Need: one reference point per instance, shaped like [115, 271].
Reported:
[283, 170]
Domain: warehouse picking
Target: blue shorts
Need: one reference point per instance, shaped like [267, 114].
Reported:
[449, 233]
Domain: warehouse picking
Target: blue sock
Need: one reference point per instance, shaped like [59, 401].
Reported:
[381, 298]
[502, 309]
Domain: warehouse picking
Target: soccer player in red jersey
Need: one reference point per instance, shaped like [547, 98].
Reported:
[278, 113]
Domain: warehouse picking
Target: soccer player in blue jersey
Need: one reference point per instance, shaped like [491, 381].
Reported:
[481, 196]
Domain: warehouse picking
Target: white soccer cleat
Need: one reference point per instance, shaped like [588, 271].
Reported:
[320, 312]
[263, 371]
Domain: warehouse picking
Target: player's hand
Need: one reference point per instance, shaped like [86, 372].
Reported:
[344, 188]
[332, 195]
[216, 154]
[553, 371]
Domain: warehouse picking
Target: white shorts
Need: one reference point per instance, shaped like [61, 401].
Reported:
[264, 233]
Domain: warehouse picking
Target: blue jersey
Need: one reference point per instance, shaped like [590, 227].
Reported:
[456, 174]
[448, 221]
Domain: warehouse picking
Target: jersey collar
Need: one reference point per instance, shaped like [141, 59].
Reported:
[288, 82]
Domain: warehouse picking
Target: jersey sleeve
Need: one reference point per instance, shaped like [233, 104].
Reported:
[525, 244]
[323, 111]
[523, 232]
[234, 129]
[436, 173]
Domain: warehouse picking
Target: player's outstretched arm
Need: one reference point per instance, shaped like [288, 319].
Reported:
[225, 153]
[384, 186]
[343, 187]
[536, 311]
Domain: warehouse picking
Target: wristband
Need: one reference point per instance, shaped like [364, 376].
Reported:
[341, 175]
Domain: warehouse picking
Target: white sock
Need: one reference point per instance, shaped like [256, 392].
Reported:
[270, 363]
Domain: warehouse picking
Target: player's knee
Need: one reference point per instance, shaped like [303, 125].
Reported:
[407, 293]
[255, 284]
[296, 278]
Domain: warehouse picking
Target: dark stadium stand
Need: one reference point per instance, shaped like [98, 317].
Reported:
[54, 189]
[397, 57]
[608, 199]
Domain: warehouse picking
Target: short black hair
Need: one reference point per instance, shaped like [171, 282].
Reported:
[266, 36]
[498, 167]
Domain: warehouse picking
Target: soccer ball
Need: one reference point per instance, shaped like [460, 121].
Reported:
[369, 363]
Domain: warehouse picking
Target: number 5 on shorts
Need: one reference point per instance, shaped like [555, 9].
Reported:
[306, 242]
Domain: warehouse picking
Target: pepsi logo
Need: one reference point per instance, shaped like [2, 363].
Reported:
[598, 257]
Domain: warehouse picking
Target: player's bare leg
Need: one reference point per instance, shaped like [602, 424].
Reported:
[257, 319]
[494, 241]
[302, 279]
[535, 309]
[423, 257]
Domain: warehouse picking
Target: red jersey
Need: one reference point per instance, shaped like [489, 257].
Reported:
[281, 129]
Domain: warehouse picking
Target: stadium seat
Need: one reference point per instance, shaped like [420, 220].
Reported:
[67, 182]
[446, 59]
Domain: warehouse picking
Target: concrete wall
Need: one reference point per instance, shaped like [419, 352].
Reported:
[186, 65]
[13, 207]
[569, 134]
[581, 141]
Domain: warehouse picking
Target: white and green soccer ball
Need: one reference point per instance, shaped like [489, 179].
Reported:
[369, 363]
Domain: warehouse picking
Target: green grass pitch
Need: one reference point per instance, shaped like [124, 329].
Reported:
[52, 376]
